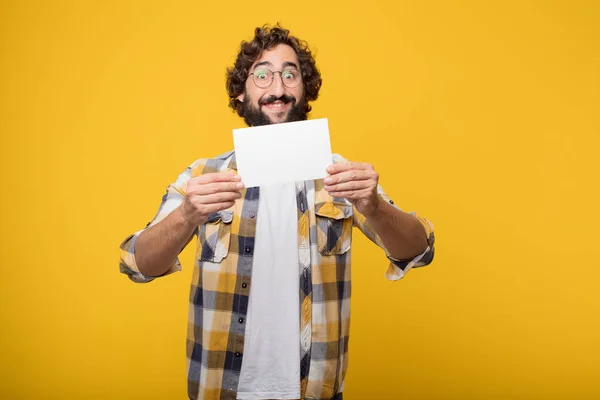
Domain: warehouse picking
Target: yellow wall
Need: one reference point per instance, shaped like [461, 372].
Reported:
[482, 116]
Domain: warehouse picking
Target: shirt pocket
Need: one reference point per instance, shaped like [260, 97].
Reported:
[214, 236]
[334, 227]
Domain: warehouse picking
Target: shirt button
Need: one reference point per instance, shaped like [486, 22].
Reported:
[244, 285]
[248, 249]
[252, 215]
[238, 354]
[391, 202]
[241, 320]
[302, 207]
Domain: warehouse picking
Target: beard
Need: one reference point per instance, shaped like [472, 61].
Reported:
[254, 116]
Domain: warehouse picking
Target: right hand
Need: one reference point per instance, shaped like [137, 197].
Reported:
[210, 193]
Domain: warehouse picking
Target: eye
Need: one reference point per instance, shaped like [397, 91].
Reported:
[261, 75]
[289, 74]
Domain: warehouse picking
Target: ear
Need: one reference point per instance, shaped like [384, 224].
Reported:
[241, 97]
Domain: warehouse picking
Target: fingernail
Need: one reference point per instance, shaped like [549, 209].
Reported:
[329, 169]
[239, 185]
[237, 178]
[327, 180]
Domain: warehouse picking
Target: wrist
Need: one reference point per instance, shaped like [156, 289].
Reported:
[375, 208]
[186, 218]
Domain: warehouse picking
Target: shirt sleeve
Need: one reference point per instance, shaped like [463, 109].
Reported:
[171, 200]
[397, 268]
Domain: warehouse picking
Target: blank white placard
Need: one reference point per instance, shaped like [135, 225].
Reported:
[279, 153]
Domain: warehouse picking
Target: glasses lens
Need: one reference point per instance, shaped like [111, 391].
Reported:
[291, 77]
[262, 77]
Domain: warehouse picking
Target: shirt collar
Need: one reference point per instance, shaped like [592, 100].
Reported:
[232, 163]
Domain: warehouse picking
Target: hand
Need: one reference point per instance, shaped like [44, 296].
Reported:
[210, 193]
[356, 182]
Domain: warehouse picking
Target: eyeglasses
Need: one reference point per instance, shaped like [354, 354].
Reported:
[263, 77]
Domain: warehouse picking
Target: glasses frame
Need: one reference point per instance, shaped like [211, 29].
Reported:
[273, 77]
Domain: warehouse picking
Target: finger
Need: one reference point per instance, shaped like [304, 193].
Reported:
[217, 187]
[216, 207]
[216, 198]
[218, 177]
[347, 176]
[352, 194]
[340, 167]
[353, 185]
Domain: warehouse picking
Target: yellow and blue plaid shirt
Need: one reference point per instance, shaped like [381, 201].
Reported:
[222, 279]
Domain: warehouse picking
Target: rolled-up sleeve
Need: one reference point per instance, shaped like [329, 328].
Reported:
[398, 268]
[171, 200]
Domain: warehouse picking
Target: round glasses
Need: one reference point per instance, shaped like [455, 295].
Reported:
[263, 77]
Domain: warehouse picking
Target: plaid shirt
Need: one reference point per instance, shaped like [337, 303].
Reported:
[222, 279]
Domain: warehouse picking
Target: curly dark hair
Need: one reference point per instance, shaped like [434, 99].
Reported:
[266, 38]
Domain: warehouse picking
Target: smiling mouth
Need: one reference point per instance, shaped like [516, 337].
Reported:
[276, 105]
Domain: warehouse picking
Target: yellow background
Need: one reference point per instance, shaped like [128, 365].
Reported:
[482, 116]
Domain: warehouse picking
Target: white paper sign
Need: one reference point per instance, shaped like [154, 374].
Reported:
[279, 153]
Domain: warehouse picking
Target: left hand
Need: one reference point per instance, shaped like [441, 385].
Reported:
[356, 182]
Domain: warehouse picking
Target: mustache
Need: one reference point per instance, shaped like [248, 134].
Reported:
[272, 99]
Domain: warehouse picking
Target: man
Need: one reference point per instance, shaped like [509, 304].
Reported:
[270, 297]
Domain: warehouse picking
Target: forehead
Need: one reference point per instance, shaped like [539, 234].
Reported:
[277, 57]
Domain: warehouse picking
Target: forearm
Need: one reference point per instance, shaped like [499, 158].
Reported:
[402, 234]
[157, 248]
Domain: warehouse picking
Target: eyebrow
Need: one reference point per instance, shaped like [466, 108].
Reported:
[289, 64]
[268, 64]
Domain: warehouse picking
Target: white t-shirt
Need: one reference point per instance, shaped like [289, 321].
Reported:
[271, 363]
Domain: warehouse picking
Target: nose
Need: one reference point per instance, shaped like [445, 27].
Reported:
[277, 88]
